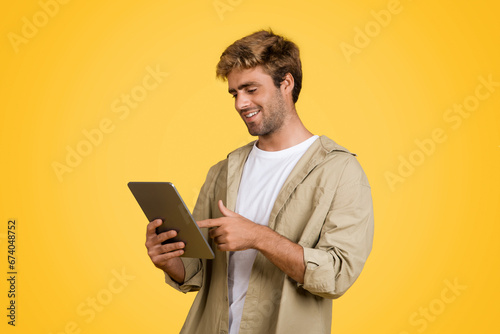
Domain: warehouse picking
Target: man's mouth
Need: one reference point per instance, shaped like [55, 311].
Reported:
[251, 114]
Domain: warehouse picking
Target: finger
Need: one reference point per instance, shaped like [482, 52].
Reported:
[225, 211]
[172, 247]
[220, 240]
[222, 247]
[215, 232]
[154, 240]
[209, 223]
[160, 260]
[151, 229]
[158, 249]
[166, 235]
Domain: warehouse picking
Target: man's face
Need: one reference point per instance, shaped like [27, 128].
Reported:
[260, 104]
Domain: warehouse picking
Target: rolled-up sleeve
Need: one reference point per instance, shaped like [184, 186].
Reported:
[193, 277]
[346, 238]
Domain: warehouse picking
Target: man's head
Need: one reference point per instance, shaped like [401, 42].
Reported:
[276, 55]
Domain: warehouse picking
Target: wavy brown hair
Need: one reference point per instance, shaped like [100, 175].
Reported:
[276, 54]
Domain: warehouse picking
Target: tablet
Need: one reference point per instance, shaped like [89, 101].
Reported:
[161, 200]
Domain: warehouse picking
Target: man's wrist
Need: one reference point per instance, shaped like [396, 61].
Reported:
[175, 269]
[263, 237]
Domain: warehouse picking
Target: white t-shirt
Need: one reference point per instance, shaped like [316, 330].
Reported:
[263, 176]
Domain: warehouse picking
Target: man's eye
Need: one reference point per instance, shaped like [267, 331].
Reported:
[252, 90]
[234, 96]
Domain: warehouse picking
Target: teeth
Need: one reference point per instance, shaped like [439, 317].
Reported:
[251, 114]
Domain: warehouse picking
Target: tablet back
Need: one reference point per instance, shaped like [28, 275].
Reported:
[161, 200]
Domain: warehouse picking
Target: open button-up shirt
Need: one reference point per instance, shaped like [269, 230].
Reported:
[326, 207]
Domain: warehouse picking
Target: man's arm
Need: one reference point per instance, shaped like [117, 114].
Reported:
[234, 232]
[283, 253]
[346, 238]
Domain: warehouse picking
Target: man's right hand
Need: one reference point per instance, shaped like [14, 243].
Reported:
[165, 257]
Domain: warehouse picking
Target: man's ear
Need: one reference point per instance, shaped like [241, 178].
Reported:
[287, 84]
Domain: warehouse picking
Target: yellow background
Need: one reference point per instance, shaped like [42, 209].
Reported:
[440, 225]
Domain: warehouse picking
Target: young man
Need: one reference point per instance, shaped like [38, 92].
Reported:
[290, 215]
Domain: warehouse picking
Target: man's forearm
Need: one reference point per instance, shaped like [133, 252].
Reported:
[283, 253]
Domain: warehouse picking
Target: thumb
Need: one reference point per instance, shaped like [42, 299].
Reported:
[225, 211]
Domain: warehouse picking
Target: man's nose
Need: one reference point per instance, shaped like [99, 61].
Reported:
[242, 102]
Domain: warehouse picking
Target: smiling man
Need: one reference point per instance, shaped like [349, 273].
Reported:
[290, 215]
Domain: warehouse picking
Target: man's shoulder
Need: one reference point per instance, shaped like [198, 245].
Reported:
[339, 161]
[326, 153]
[329, 146]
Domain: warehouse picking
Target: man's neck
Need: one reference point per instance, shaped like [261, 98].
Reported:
[292, 132]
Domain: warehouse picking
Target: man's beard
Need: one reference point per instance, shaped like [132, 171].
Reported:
[272, 120]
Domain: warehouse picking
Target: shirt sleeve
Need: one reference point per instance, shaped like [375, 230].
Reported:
[346, 238]
[193, 278]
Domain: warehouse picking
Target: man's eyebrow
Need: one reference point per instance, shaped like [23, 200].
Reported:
[246, 84]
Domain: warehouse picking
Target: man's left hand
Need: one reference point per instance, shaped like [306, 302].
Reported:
[232, 232]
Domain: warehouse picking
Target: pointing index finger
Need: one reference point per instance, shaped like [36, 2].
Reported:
[209, 223]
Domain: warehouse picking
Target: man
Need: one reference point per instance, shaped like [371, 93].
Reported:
[290, 215]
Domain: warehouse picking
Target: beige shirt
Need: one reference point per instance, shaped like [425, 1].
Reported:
[325, 205]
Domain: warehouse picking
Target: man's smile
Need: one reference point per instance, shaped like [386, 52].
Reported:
[251, 114]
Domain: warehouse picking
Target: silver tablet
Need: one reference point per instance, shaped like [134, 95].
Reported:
[161, 200]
